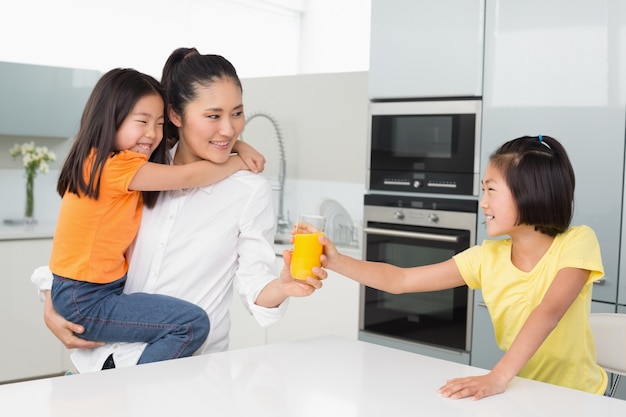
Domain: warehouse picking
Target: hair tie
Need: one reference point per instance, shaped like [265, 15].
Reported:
[540, 137]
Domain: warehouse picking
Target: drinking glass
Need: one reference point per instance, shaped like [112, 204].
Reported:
[306, 247]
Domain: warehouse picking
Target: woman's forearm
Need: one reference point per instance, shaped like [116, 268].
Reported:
[272, 295]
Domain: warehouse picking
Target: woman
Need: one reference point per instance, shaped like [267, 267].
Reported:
[195, 242]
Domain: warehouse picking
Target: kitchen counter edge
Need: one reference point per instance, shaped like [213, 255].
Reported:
[40, 230]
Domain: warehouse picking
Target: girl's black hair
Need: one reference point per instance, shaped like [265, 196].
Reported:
[541, 179]
[112, 99]
[184, 71]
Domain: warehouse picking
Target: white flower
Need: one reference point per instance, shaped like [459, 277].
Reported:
[34, 158]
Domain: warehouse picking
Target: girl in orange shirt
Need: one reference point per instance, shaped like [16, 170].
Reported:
[101, 185]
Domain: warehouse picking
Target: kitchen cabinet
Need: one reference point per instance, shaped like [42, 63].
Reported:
[28, 348]
[43, 101]
[244, 332]
[562, 74]
[599, 307]
[485, 352]
[621, 290]
[621, 387]
[332, 310]
[426, 48]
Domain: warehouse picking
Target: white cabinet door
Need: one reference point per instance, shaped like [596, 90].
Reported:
[44, 101]
[620, 392]
[561, 74]
[245, 331]
[485, 352]
[426, 48]
[28, 348]
[332, 310]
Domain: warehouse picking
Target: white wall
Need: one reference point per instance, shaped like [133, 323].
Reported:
[260, 37]
[323, 119]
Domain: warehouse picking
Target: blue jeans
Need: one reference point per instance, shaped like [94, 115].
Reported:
[173, 328]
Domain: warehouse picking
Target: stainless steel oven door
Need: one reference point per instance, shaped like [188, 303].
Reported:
[440, 318]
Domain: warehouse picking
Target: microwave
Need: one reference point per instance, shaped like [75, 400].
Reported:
[430, 146]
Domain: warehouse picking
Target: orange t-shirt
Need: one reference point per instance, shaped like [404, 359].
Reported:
[92, 236]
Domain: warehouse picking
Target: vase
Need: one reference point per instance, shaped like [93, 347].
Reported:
[29, 212]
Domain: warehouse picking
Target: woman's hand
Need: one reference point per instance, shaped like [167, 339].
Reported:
[476, 387]
[298, 288]
[64, 330]
[254, 160]
[279, 289]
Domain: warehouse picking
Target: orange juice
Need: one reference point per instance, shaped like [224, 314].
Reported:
[306, 254]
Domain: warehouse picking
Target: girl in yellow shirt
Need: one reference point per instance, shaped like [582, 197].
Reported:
[536, 283]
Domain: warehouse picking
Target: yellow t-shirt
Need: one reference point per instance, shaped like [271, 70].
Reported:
[92, 236]
[567, 356]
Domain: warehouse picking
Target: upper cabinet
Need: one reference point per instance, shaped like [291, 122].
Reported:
[426, 48]
[44, 101]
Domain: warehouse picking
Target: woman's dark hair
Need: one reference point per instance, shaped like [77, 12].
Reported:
[112, 99]
[541, 179]
[183, 73]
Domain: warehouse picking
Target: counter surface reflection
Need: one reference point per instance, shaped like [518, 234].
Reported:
[327, 376]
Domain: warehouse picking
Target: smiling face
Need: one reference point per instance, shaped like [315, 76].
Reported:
[142, 129]
[211, 123]
[498, 204]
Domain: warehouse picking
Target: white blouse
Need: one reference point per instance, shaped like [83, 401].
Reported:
[195, 244]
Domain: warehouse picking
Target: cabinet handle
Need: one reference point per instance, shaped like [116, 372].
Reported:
[482, 304]
[411, 235]
[601, 281]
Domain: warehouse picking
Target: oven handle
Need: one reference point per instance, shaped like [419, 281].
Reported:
[411, 235]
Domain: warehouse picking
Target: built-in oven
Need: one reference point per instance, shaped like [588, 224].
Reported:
[407, 231]
[428, 146]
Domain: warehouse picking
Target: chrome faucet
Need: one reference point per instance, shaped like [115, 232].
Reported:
[283, 226]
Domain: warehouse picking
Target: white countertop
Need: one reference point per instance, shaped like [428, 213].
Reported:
[41, 230]
[328, 376]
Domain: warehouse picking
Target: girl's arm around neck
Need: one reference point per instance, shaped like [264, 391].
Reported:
[161, 177]
[253, 159]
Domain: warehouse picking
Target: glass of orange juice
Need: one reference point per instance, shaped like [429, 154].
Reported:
[306, 247]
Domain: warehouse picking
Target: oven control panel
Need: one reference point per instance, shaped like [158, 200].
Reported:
[422, 182]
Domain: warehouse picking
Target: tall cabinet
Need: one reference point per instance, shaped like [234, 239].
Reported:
[558, 68]
[28, 348]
